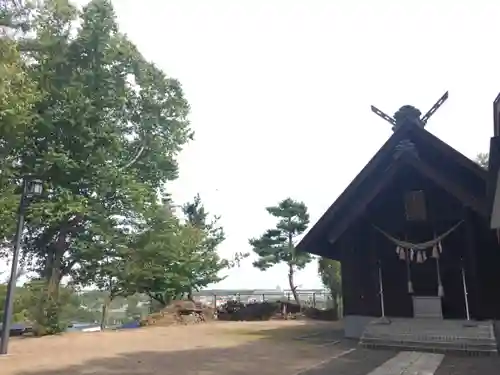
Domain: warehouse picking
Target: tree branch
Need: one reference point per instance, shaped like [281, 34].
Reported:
[134, 159]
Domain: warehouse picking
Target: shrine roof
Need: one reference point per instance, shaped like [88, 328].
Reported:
[339, 215]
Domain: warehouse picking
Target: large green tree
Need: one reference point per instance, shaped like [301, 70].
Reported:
[172, 258]
[27, 299]
[107, 272]
[330, 272]
[98, 123]
[155, 260]
[209, 263]
[20, 313]
[18, 97]
[277, 245]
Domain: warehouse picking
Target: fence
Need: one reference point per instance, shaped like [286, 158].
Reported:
[320, 300]
[120, 314]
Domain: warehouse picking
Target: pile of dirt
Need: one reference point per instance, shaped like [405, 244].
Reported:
[180, 313]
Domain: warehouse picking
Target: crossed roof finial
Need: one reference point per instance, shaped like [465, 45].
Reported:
[410, 114]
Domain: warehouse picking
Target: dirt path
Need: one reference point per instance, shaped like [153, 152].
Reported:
[275, 347]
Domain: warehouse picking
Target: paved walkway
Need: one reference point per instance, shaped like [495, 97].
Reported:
[381, 362]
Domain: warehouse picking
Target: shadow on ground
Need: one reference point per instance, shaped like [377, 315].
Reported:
[309, 331]
[284, 350]
[308, 349]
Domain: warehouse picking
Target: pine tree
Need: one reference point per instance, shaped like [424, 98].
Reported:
[277, 245]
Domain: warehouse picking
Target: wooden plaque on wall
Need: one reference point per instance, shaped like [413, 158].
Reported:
[415, 206]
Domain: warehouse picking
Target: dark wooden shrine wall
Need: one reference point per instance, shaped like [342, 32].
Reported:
[359, 275]
[488, 266]
[388, 208]
[361, 283]
[362, 246]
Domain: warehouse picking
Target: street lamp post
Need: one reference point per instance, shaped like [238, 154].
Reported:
[31, 188]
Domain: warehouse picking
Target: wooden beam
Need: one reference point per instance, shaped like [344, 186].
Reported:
[496, 116]
[457, 191]
[430, 139]
[358, 207]
[471, 253]
[319, 231]
[493, 182]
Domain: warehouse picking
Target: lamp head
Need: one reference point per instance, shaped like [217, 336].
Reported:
[34, 187]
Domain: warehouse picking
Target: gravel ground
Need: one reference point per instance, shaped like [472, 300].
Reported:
[204, 349]
[229, 348]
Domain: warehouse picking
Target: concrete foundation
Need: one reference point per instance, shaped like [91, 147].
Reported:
[354, 325]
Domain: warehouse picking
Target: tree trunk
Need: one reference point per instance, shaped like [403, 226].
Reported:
[54, 267]
[162, 299]
[190, 295]
[55, 277]
[291, 250]
[106, 304]
[47, 319]
[54, 264]
[292, 284]
[104, 315]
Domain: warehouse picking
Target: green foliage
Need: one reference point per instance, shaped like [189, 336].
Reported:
[108, 127]
[20, 309]
[166, 259]
[196, 216]
[330, 273]
[82, 109]
[33, 304]
[277, 245]
[46, 308]
[482, 159]
[18, 96]
[171, 258]
[15, 16]
[107, 269]
[154, 261]
[133, 310]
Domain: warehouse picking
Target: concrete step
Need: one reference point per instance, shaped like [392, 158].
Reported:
[457, 344]
[440, 338]
[473, 350]
[431, 335]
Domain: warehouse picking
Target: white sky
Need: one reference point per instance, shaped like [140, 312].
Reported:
[281, 92]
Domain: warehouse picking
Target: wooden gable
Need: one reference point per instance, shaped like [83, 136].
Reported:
[439, 162]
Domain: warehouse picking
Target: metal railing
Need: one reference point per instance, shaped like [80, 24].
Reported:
[320, 300]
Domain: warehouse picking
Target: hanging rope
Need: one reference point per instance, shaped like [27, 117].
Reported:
[419, 246]
[408, 252]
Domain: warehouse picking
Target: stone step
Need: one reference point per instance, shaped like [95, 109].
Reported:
[457, 343]
[431, 335]
[435, 347]
[448, 337]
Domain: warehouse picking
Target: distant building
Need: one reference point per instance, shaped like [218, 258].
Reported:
[220, 296]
